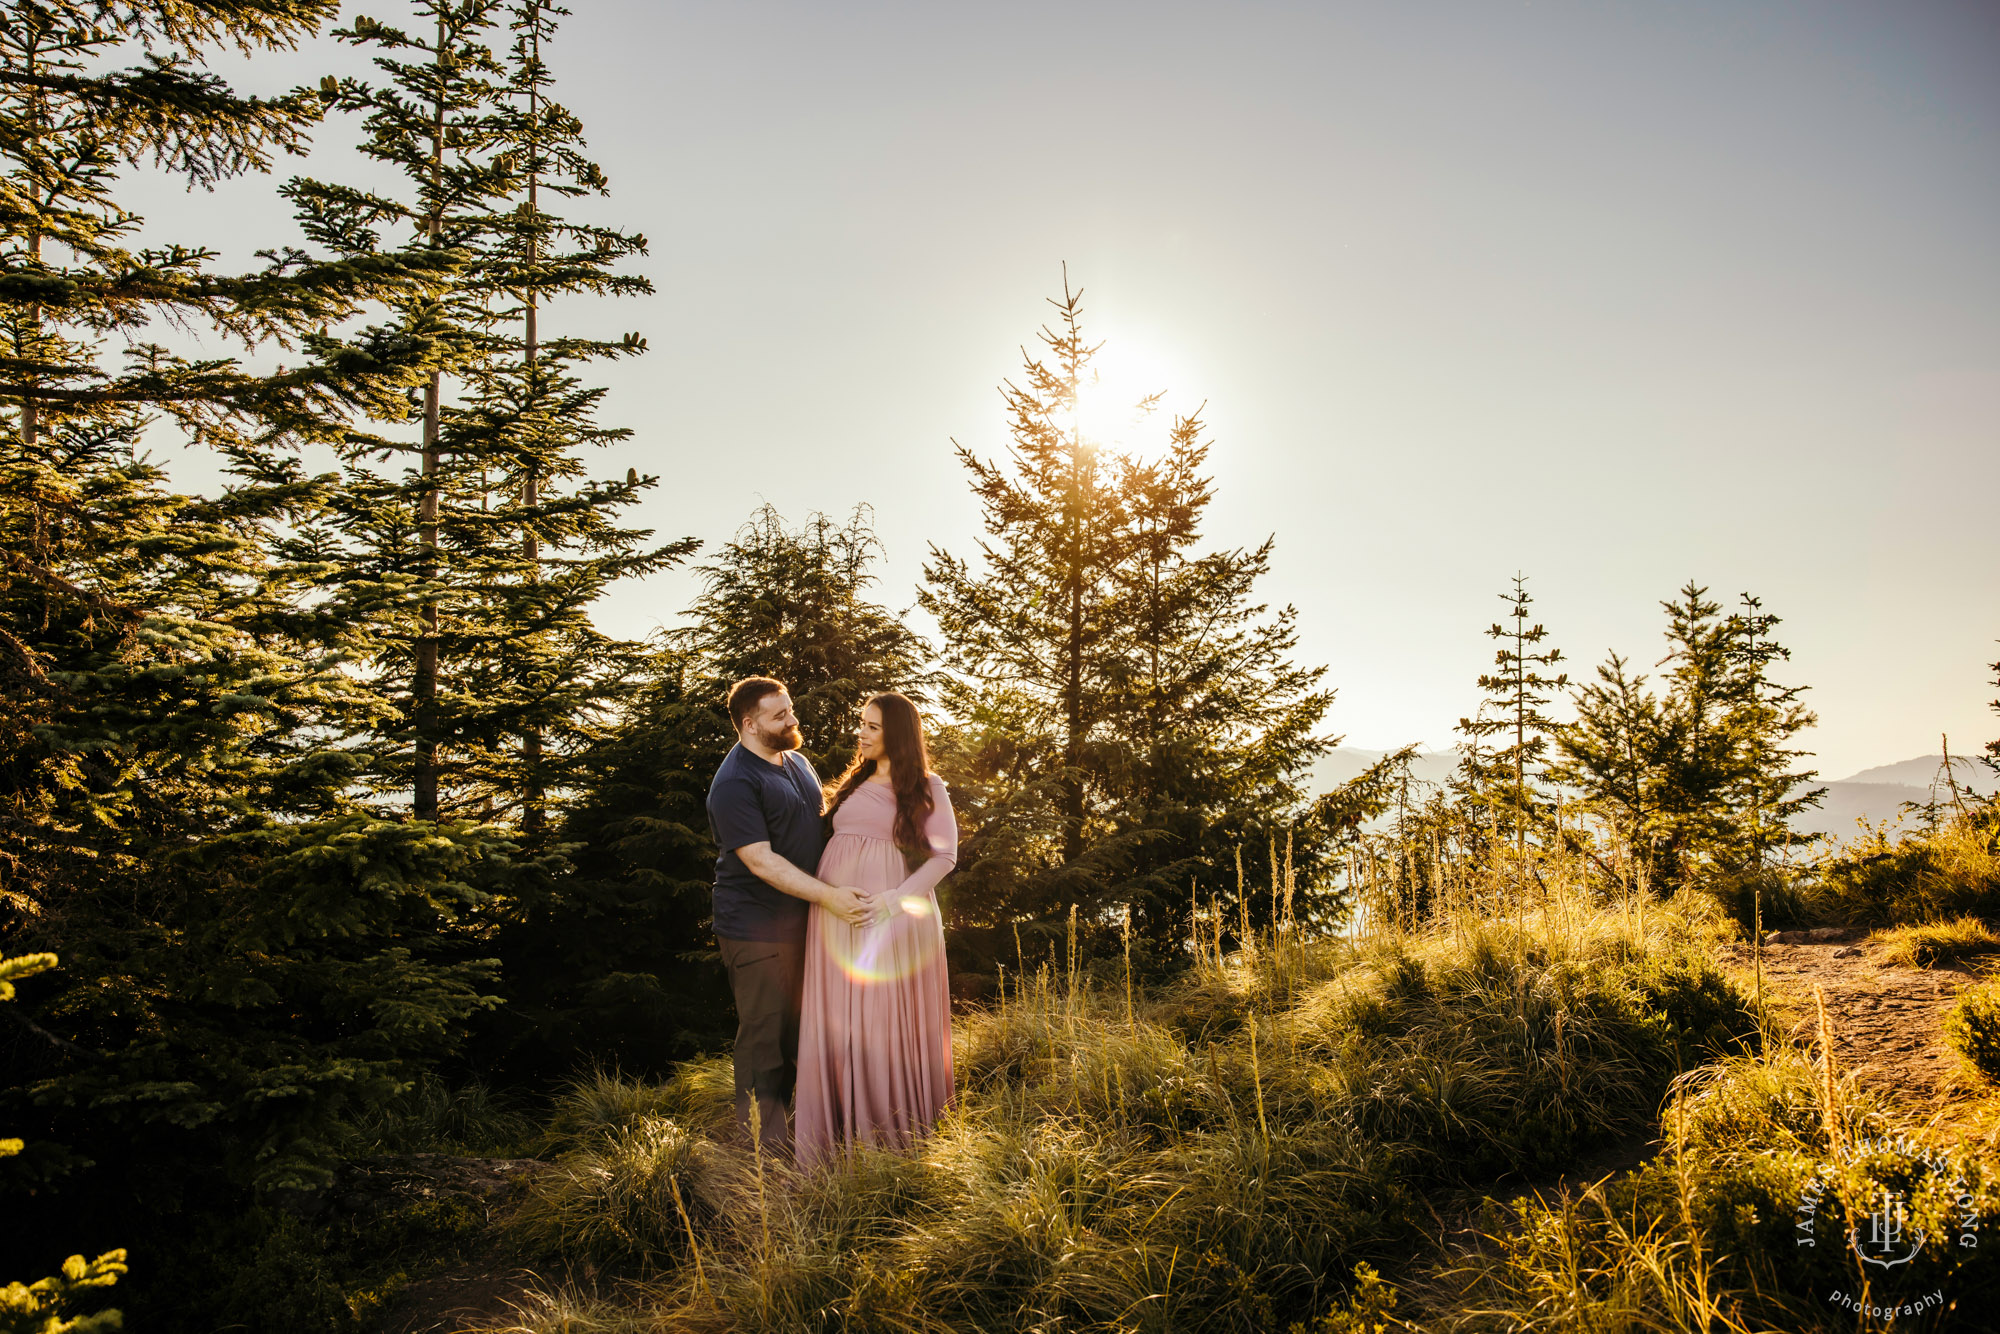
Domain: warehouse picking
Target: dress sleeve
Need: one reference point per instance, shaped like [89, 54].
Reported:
[941, 832]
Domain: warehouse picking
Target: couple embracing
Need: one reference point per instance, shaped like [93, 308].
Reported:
[826, 914]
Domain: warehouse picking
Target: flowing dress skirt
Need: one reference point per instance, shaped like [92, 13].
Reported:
[875, 1026]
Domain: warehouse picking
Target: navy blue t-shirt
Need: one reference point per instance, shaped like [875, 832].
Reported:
[755, 801]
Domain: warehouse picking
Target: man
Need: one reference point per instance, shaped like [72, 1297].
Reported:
[764, 810]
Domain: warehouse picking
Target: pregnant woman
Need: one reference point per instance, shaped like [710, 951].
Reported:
[875, 1029]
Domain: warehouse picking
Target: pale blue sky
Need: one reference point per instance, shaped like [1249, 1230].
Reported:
[1614, 294]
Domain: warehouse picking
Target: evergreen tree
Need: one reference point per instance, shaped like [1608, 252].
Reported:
[248, 954]
[479, 558]
[615, 964]
[1764, 787]
[1704, 771]
[792, 604]
[1026, 632]
[1498, 778]
[1126, 718]
[547, 678]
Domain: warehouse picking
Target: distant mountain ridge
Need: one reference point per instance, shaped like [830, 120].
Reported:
[1875, 795]
[1970, 773]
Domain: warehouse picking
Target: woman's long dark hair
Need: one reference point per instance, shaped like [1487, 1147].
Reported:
[909, 773]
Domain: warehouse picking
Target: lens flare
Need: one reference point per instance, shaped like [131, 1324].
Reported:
[899, 946]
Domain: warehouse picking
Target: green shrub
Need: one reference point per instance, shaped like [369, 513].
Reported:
[433, 1116]
[1779, 899]
[1972, 1028]
[597, 1107]
[631, 1195]
[1925, 876]
[1741, 1224]
[1369, 1309]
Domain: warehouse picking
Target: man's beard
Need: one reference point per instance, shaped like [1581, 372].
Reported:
[790, 738]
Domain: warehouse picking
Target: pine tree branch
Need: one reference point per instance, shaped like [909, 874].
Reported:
[59, 1043]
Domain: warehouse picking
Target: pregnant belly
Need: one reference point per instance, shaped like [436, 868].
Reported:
[871, 865]
[901, 944]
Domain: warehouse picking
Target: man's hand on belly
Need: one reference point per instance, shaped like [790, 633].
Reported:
[843, 901]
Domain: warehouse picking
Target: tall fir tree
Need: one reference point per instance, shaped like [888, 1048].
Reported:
[551, 679]
[248, 952]
[482, 554]
[1126, 718]
[1502, 779]
[1025, 633]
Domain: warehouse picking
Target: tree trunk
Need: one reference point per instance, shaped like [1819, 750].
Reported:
[424, 681]
[531, 740]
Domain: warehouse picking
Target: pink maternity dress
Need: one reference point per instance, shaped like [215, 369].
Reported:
[875, 1028]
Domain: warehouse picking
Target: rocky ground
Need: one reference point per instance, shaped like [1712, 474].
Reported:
[1886, 1020]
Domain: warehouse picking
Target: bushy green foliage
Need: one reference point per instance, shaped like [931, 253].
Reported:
[433, 1115]
[250, 950]
[1972, 1027]
[1918, 876]
[1743, 1223]
[267, 1268]
[1779, 898]
[40, 1307]
[1369, 1309]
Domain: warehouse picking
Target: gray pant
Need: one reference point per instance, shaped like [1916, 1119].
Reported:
[767, 978]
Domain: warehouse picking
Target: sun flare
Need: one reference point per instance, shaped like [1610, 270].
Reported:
[1124, 400]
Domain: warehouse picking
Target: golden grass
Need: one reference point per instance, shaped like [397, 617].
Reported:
[1937, 944]
[1200, 1158]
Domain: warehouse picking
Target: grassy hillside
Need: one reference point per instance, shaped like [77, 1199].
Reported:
[1299, 1134]
[1557, 1110]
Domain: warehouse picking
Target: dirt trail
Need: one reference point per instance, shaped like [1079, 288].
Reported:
[1886, 1019]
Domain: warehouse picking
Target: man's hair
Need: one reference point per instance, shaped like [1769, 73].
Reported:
[747, 694]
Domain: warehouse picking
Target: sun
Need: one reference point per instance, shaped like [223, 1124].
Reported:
[1123, 400]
